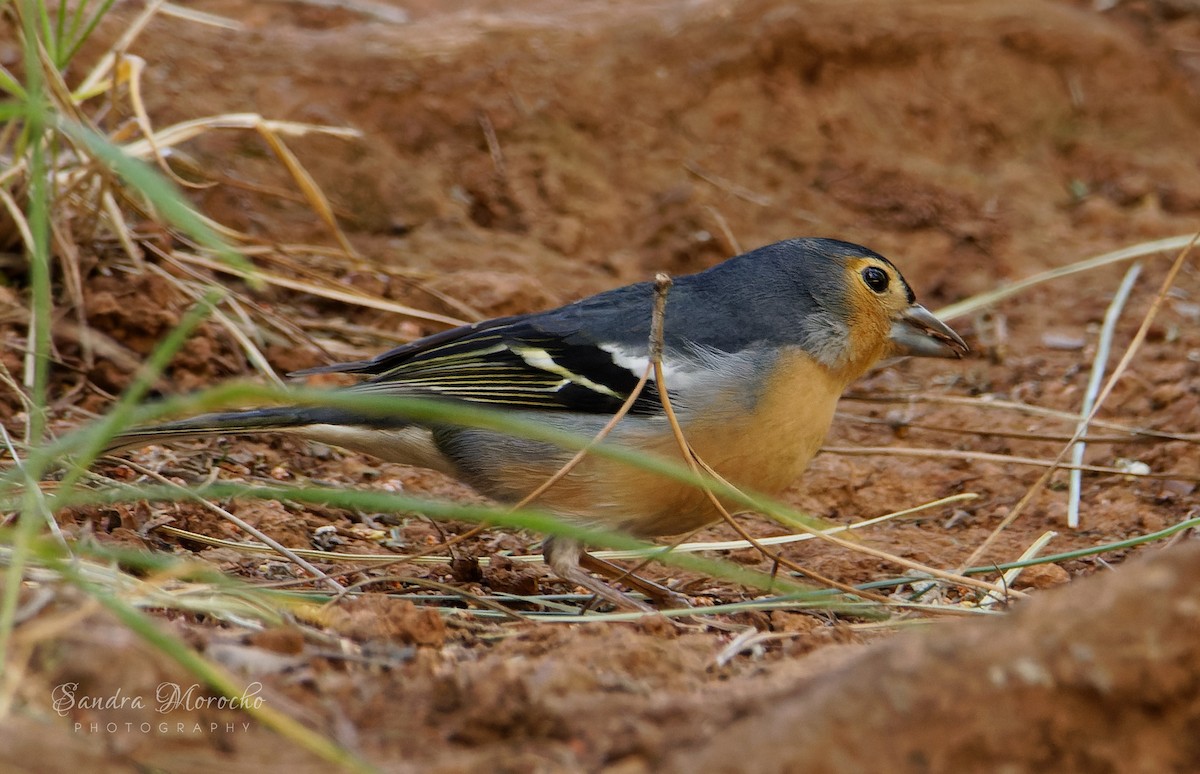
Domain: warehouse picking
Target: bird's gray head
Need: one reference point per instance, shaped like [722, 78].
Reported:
[846, 305]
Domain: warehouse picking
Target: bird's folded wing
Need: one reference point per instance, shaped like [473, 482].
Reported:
[510, 361]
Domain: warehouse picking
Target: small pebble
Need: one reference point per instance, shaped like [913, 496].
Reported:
[1042, 576]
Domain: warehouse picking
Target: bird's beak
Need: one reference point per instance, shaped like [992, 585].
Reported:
[917, 332]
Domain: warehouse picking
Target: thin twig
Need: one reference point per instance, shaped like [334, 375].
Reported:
[570, 465]
[731, 241]
[905, 424]
[39, 495]
[1103, 347]
[493, 144]
[241, 523]
[1025, 408]
[662, 286]
[483, 602]
[1007, 459]
[727, 185]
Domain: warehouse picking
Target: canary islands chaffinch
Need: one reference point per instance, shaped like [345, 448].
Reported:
[756, 352]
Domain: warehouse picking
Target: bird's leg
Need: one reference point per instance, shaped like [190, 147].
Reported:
[655, 591]
[563, 555]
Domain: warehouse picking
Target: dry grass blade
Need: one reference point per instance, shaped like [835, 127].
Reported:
[312, 192]
[120, 228]
[262, 548]
[99, 343]
[984, 300]
[251, 327]
[200, 17]
[446, 588]
[177, 134]
[129, 72]
[253, 353]
[778, 540]
[292, 258]
[345, 296]
[98, 80]
[1010, 576]
[726, 185]
[72, 277]
[750, 639]
[1008, 459]
[15, 212]
[161, 590]
[154, 145]
[372, 9]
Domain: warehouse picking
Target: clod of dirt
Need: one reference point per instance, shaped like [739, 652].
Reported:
[285, 640]
[376, 617]
[509, 577]
[1100, 676]
[1042, 576]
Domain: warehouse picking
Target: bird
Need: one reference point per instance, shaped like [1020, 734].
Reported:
[755, 353]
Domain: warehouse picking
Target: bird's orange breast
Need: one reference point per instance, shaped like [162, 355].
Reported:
[762, 447]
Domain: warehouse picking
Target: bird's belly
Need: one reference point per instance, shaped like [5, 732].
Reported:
[762, 448]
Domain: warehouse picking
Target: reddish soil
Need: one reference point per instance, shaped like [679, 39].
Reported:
[512, 159]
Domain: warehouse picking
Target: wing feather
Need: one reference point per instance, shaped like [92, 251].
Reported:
[508, 361]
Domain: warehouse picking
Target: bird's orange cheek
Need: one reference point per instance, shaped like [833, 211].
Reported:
[869, 331]
[869, 342]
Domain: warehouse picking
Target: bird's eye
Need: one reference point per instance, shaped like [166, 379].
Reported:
[876, 278]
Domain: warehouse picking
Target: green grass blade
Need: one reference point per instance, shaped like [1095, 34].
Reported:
[79, 38]
[10, 85]
[32, 507]
[48, 39]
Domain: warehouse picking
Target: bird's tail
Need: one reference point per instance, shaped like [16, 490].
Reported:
[260, 420]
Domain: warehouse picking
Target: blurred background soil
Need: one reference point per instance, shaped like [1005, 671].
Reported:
[518, 155]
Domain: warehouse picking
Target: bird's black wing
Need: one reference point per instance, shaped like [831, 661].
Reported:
[543, 361]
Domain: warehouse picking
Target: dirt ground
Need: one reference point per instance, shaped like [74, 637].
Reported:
[519, 155]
